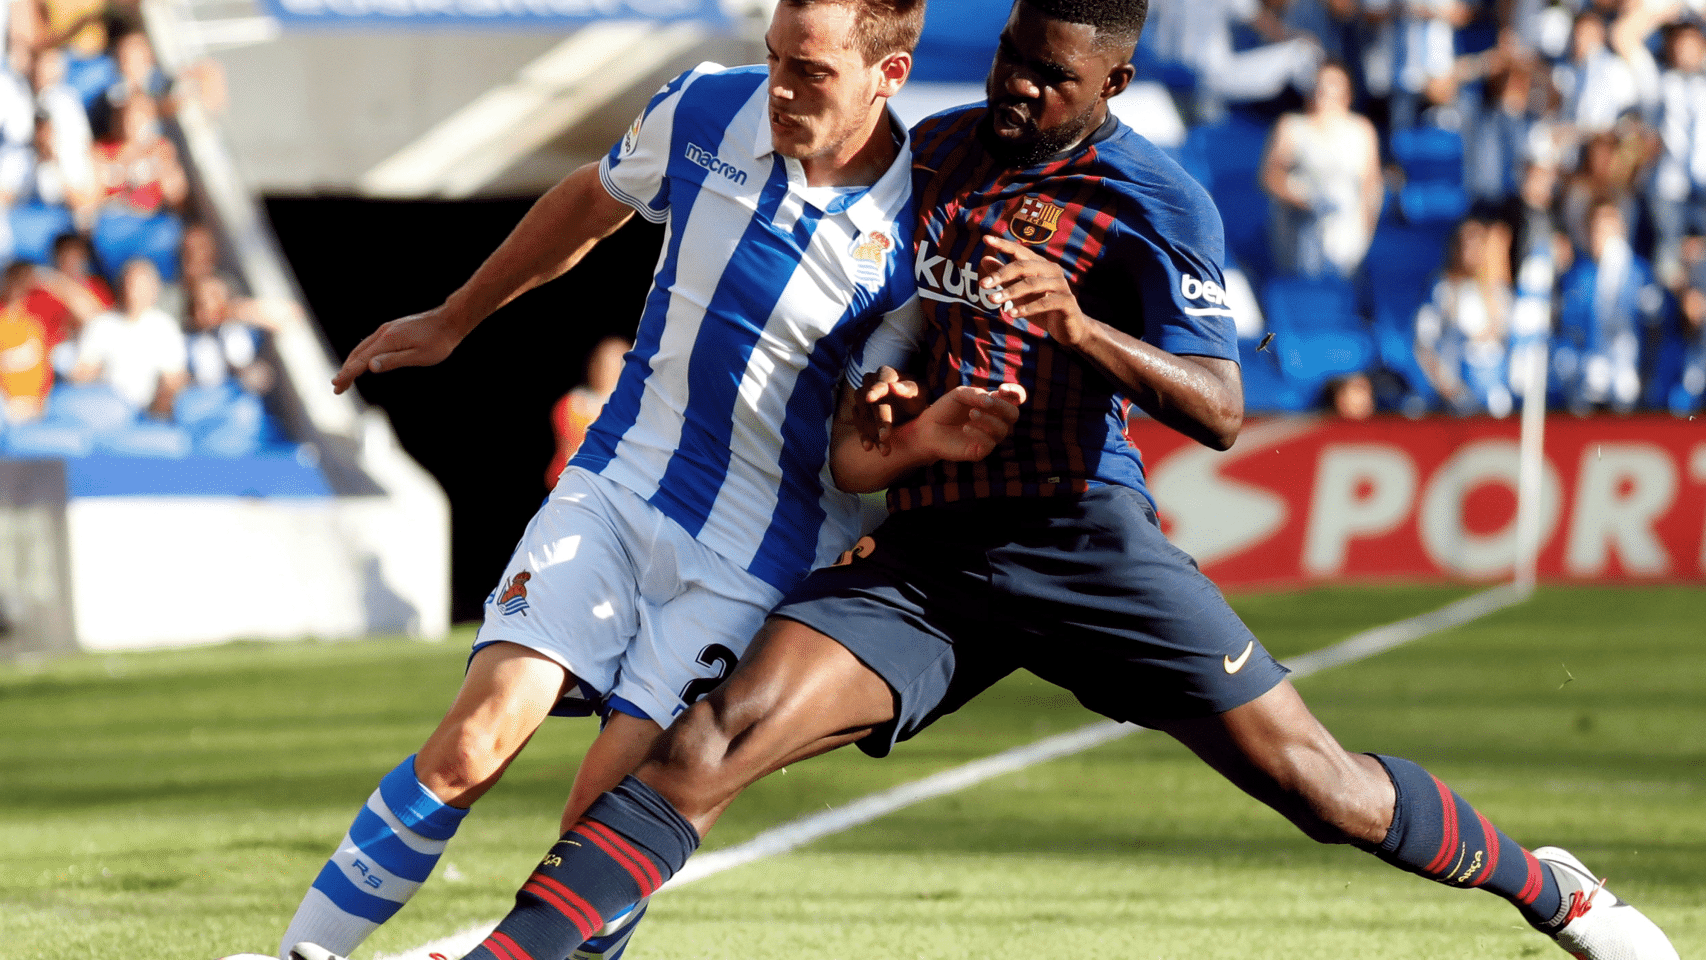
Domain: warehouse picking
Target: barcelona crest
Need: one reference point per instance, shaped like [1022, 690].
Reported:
[1035, 220]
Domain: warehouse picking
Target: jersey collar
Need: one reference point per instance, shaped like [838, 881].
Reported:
[874, 209]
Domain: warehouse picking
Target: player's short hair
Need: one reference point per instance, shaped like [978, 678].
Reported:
[880, 27]
[1118, 23]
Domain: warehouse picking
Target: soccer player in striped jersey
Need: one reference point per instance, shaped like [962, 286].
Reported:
[701, 495]
[1058, 250]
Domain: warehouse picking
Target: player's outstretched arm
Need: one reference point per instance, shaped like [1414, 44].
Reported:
[964, 424]
[565, 223]
[1201, 397]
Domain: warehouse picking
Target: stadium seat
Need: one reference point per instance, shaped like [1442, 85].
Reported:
[34, 228]
[1266, 389]
[90, 76]
[223, 421]
[1666, 367]
[1429, 154]
[1401, 264]
[1231, 154]
[1318, 333]
[1433, 202]
[46, 439]
[92, 405]
[1310, 305]
[146, 438]
[119, 237]
[1395, 346]
[1432, 160]
[1310, 360]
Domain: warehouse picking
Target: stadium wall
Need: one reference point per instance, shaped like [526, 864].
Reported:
[157, 571]
[1312, 500]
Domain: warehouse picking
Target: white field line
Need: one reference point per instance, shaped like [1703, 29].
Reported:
[797, 833]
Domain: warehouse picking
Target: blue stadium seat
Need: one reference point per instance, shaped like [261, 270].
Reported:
[223, 421]
[1266, 389]
[34, 228]
[1310, 304]
[1667, 365]
[1429, 154]
[90, 76]
[1402, 262]
[93, 405]
[1432, 160]
[46, 439]
[1231, 154]
[146, 438]
[1433, 202]
[1310, 360]
[119, 237]
[1395, 345]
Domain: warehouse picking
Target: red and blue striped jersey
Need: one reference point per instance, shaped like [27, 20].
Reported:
[1141, 244]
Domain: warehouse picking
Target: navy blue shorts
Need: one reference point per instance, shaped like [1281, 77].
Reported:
[1082, 591]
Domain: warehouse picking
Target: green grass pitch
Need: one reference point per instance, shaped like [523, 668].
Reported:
[175, 804]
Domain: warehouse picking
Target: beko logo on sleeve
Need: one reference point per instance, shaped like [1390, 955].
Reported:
[1193, 289]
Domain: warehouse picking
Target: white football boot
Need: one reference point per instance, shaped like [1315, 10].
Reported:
[1598, 925]
[312, 951]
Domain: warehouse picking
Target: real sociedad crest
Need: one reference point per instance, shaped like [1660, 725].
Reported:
[513, 599]
[1035, 220]
[870, 258]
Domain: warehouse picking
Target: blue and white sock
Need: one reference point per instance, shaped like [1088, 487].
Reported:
[388, 852]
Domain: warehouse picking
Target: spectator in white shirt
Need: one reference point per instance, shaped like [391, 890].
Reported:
[137, 349]
[1597, 85]
[1412, 53]
[1678, 194]
[1198, 35]
[72, 139]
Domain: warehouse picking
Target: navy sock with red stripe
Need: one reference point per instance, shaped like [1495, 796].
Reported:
[630, 841]
[1436, 834]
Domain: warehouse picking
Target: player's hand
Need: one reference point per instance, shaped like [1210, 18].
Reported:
[1029, 285]
[885, 400]
[417, 340]
[967, 423]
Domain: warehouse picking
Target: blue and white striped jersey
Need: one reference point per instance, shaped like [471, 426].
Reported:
[764, 296]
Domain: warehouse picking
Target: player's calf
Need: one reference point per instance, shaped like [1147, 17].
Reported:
[630, 841]
[391, 848]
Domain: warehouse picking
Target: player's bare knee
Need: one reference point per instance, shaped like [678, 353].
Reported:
[1344, 803]
[460, 760]
[689, 764]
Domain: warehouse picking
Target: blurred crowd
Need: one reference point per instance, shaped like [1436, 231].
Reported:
[119, 330]
[1430, 198]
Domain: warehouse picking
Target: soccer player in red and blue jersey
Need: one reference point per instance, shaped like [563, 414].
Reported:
[1060, 251]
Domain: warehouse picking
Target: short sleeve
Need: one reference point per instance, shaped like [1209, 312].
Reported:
[635, 171]
[891, 344]
[1177, 261]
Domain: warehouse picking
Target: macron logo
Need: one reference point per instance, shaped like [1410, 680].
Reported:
[701, 157]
